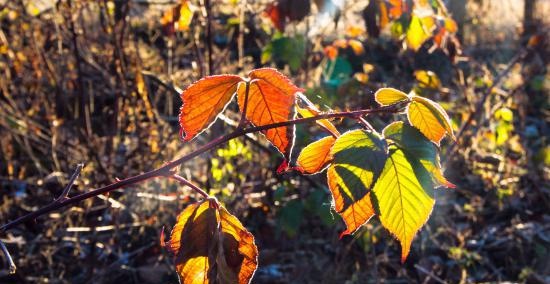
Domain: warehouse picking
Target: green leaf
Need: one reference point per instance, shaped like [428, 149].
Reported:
[358, 158]
[418, 149]
[430, 118]
[403, 196]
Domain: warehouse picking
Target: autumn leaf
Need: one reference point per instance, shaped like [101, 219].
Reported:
[389, 96]
[420, 30]
[310, 110]
[358, 158]
[430, 118]
[203, 101]
[427, 79]
[316, 156]
[356, 46]
[417, 147]
[271, 99]
[211, 245]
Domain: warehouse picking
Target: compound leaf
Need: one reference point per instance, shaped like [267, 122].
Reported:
[271, 99]
[430, 118]
[203, 101]
[358, 158]
[316, 156]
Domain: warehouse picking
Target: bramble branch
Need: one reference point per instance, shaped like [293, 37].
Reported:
[166, 170]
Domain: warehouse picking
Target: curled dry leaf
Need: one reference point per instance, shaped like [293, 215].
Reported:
[203, 101]
[358, 158]
[271, 99]
[212, 246]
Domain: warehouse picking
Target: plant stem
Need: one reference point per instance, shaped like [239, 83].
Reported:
[166, 169]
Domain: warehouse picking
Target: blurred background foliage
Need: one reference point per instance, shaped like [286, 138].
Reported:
[99, 81]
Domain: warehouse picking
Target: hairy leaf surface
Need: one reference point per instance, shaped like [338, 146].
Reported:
[271, 99]
[430, 118]
[358, 158]
[316, 156]
[212, 246]
[204, 100]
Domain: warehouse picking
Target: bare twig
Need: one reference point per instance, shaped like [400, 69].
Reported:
[65, 193]
[13, 268]
[429, 273]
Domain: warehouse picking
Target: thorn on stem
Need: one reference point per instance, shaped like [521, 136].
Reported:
[64, 195]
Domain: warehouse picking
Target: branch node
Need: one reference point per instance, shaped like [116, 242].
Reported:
[65, 194]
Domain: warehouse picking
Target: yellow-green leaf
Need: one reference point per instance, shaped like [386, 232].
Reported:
[430, 118]
[427, 79]
[389, 96]
[358, 158]
[404, 198]
[417, 148]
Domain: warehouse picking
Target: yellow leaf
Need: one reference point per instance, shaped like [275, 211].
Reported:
[427, 79]
[430, 118]
[389, 96]
[405, 200]
[418, 32]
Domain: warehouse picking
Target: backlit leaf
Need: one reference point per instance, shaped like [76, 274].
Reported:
[212, 246]
[316, 156]
[403, 195]
[427, 79]
[271, 99]
[358, 158]
[420, 30]
[310, 110]
[203, 101]
[417, 147]
[430, 118]
[389, 96]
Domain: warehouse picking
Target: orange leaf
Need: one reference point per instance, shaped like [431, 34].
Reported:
[315, 156]
[356, 46]
[271, 99]
[211, 245]
[331, 52]
[204, 100]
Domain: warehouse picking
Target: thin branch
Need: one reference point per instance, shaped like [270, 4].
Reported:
[166, 169]
[242, 122]
[184, 181]
[13, 268]
[65, 193]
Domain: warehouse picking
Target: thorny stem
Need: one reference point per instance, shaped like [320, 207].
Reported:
[184, 181]
[65, 193]
[166, 170]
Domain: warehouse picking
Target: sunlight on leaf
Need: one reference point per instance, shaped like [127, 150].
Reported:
[203, 101]
[316, 156]
[417, 147]
[403, 198]
[211, 245]
[420, 30]
[430, 118]
[389, 96]
[271, 99]
[358, 158]
[427, 79]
